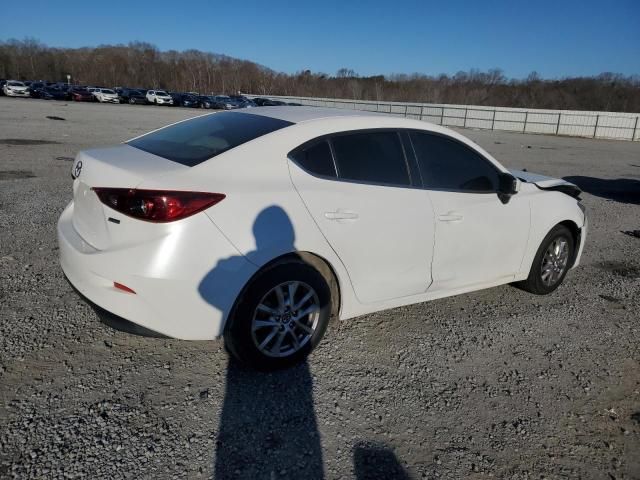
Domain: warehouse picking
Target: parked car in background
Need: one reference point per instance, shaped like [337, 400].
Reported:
[13, 88]
[35, 88]
[131, 95]
[207, 101]
[185, 100]
[106, 95]
[53, 93]
[279, 220]
[2, 82]
[81, 94]
[159, 97]
[136, 97]
[224, 102]
[242, 102]
[267, 102]
[93, 91]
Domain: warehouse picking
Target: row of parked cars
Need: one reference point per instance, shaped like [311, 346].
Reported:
[133, 96]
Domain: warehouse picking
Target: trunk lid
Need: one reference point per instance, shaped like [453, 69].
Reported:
[121, 166]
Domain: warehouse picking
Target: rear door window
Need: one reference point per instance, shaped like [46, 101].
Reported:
[194, 141]
[316, 159]
[371, 157]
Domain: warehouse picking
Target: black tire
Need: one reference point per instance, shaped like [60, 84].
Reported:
[534, 282]
[239, 337]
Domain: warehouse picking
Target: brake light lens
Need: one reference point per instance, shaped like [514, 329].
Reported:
[159, 206]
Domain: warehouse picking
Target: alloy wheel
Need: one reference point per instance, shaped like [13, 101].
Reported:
[285, 319]
[554, 261]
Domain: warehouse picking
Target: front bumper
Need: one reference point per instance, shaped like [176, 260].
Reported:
[18, 93]
[185, 281]
[583, 239]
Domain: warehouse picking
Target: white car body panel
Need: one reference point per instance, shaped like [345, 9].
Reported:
[188, 274]
[391, 261]
[478, 238]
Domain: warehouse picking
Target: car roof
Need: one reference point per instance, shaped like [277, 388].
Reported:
[306, 114]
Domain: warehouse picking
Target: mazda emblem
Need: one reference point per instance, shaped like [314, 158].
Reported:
[77, 170]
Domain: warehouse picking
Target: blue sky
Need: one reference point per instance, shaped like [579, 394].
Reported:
[555, 38]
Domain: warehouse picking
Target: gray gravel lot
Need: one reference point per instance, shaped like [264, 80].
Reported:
[497, 383]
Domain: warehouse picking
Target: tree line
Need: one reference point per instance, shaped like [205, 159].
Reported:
[143, 65]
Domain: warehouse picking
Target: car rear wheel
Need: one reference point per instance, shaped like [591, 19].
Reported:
[280, 317]
[551, 263]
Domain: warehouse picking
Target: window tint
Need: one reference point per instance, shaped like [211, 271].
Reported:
[448, 164]
[317, 159]
[194, 141]
[375, 157]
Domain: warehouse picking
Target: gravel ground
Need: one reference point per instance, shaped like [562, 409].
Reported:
[498, 383]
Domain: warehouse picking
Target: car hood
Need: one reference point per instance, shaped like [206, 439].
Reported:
[548, 183]
[541, 181]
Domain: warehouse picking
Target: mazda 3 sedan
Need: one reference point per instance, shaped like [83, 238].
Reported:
[261, 227]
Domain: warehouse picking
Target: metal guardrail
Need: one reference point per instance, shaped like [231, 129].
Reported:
[611, 125]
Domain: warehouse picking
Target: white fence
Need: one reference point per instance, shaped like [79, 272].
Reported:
[621, 126]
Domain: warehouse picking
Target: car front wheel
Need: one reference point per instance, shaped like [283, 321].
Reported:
[551, 263]
[280, 317]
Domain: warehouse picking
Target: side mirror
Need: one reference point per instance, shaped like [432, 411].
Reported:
[508, 185]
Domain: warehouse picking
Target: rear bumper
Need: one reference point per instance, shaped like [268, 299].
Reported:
[185, 282]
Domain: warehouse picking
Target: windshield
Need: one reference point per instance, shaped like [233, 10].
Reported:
[162, 94]
[193, 141]
[15, 84]
[110, 92]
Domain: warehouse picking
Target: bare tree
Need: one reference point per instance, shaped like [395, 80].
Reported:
[141, 64]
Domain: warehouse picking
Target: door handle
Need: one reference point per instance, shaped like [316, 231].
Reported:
[341, 215]
[450, 217]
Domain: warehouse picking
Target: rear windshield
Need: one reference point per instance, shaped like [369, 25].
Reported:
[194, 141]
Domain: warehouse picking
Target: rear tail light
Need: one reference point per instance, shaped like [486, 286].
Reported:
[156, 205]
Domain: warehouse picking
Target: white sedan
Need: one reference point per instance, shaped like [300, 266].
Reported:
[262, 226]
[14, 88]
[105, 95]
